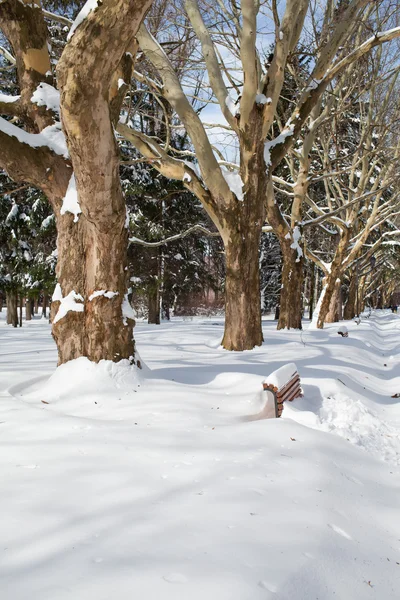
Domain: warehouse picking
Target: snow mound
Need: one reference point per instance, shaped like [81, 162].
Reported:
[84, 388]
[352, 420]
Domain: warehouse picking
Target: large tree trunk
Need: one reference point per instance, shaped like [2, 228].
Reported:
[21, 302]
[336, 273]
[45, 301]
[350, 308]
[291, 304]
[333, 314]
[92, 259]
[154, 304]
[12, 308]
[92, 246]
[242, 291]
[28, 309]
[312, 291]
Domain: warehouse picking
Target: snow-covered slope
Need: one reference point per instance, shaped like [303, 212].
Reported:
[118, 484]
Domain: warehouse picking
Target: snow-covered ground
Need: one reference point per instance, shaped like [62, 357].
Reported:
[159, 486]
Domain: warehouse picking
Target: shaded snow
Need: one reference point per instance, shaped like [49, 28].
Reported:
[118, 482]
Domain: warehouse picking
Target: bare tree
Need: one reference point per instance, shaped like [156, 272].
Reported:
[239, 197]
[80, 176]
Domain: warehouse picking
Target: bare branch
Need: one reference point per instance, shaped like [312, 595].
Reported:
[173, 238]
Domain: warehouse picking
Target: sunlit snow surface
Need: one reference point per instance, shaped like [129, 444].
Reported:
[119, 484]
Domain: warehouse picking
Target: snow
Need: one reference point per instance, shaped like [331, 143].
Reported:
[67, 303]
[71, 202]
[46, 95]
[6, 99]
[47, 222]
[12, 214]
[286, 132]
[232, 106]
[81, 16]
[281, 376]
[262, 99]
[121, 82]
[104, 293]
[295, 245]
[234, 182]
[51, 137]
[127, 310]
[118, 482]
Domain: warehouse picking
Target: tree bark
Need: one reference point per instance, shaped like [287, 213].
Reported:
[332, 315]
[28, 309]
[242, 292]
[44, 309]
[36, 305]
[291, 290]
[21, 301]
[312, 291]
[92, 249]
[350, 307]
[12, 308]
[154, 304]
[336, 272]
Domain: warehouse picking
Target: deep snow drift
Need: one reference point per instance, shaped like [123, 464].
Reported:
[118, 485]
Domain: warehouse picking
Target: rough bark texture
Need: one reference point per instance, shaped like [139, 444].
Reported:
[28, 309]
[93, 251]
[291, 304]
[333, 314]
[21, 302]
[242, 293]
[331, 278]
[241, 232]
[45, 303]
[154, 305]
[350, 307]
[312, 292]
[12, 308]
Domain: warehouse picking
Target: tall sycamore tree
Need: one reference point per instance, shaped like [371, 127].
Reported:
[58, 135]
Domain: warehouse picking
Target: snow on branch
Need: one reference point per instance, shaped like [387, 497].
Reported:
[50, 137]
[173, 238]
[7, 55]
[57, 18]
[81, 16]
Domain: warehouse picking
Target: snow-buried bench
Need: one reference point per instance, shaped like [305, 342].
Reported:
[283, 384]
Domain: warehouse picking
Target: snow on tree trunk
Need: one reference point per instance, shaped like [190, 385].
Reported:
[91, 316]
